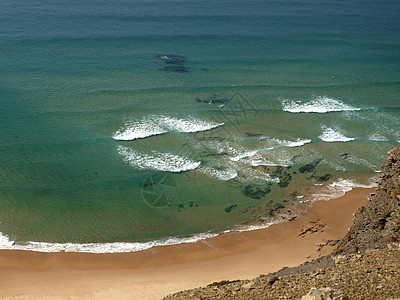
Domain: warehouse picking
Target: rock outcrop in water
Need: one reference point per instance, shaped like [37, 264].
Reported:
[365, 265]
[175, 63]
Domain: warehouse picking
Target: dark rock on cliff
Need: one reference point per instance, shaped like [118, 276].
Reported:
[377, 224]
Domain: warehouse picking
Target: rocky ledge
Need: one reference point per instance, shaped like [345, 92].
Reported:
[365, 265]
[371, 275]
[377, 224]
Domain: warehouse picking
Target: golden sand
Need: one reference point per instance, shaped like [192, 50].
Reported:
[159, 271]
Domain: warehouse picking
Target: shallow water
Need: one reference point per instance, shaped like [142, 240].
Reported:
[104, 141]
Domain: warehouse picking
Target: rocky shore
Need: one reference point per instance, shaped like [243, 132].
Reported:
[365, 264]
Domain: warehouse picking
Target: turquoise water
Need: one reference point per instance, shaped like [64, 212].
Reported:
[103, 141]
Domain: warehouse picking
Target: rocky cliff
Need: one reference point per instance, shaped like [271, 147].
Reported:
[377, 224]
[365, 265]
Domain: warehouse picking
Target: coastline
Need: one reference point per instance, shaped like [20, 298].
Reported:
[156, 272]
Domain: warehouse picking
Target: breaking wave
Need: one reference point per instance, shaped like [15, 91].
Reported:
[156, 161]
[377, 137]
[296, 143]
[334, 190]
[221, 173]
[319, 105]
[155, 125]
[117, 247]
[330, 135]
[339, 188]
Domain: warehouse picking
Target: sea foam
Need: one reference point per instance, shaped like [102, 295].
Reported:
[157, 160]
[330, 135]
[318, 105]
[340, 188]
[158, 124]
[291, 144]
[221, 173]
[377, 137]
[117, 247]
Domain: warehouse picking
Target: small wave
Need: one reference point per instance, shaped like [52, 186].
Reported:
[259, 176]
[117, 247]
[340, 188]
[139, 130]
[157, 160]
[261, 161]
[360, 161]
[330, 135]
[155, 125]
[221, 173]
[297, 143]
[377, 137]
[245, 228]
[269, 159]
[243, 155]
[319, 105]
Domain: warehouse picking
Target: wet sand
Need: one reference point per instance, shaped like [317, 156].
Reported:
[159, 271]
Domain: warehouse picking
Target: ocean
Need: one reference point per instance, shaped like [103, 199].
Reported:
[131, 124]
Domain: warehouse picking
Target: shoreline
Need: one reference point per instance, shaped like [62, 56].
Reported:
[158, 271]
[334, 190]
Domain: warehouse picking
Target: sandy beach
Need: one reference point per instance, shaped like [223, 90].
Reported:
[159, 271]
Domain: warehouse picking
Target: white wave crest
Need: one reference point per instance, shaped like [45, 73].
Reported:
[377, 137]
[318, 105]
[139, 130]
[258, 176]
[157, 160]
[269, 158]
[117, 247]
[262, 161]
[340, 188]
[296, 143]
[243, 155]
[223, 173]
[330, 135]
[360, 161]
[155, 125]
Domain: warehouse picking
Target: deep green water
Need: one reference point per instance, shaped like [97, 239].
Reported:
[302, 93]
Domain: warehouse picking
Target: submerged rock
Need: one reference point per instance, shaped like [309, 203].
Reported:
[250, 134]
[172, 58]
[212, 100]
[175, 63]
[256, 192]
[310, 166]
[230, 208]
[322, 178]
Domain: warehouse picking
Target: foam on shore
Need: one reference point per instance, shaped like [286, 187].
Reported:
[117, 247]
[334, 190]
[339, 188]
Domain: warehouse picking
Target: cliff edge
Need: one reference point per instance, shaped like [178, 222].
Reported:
[365, 264]
[377, 224]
